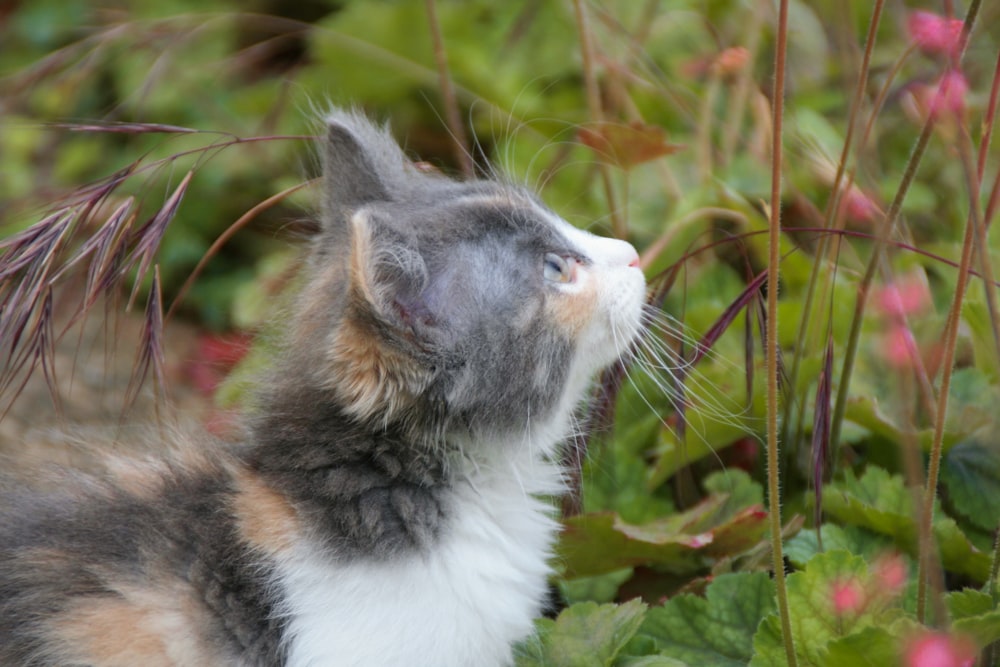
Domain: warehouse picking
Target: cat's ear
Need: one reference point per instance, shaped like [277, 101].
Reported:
[384, 351]
[390, 279]
[362, 164]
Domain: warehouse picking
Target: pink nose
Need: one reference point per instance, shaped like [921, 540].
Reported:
[619, 253]
[628, 254]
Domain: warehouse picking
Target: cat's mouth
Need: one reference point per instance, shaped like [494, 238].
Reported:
[623, 297]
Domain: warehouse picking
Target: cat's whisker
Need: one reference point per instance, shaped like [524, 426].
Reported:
[676, 378]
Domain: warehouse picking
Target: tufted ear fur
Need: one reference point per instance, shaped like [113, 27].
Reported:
[388, 276]
[384, 353]
[361, 164]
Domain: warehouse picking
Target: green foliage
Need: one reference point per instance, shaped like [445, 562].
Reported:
[880, 502]
[584, 635]
[817, 620]
[973, 613]
[870, 647]
[728, 522]
[716, 630]
[971, 474]
[867, 544]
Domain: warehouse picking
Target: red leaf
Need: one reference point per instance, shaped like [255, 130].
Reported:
[628, 145]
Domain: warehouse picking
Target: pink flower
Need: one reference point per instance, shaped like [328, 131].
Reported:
[858, 207]
[732, 60]
[934, 649]
[847, 596]
[935, 35]
[944, 100]
[899, 348]
[890, 572]
[902, 298]
[949, 97]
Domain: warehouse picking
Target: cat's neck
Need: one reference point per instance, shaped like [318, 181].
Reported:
[372, 490]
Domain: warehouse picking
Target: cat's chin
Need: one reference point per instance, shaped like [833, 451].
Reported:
[620, 326]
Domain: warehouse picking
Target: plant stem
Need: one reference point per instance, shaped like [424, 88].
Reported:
[995, 570]
[595, 109]
[933, 468]
[832, 207]
[703, 132]
[741, 89]
[228, 234]
[988, 119]
[975, 235]
[771, 353]
[451, 112]
[888, 225]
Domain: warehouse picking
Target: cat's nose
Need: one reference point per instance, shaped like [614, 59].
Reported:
[620, 253]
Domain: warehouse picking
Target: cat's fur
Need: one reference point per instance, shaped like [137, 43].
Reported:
[388, 506]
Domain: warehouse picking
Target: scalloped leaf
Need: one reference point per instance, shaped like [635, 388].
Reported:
[857, 540]
[584, 635]
[820, 616]
[970, 472]
[684, 543]
[880, 502]
[973, 614]
[716, 630]
[871, 647]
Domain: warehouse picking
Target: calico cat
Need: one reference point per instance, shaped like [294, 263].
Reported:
[389, 505]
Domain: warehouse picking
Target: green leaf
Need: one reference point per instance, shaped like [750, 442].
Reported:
[768, 650]
[971, 473]
[684, 543]
[602, 588]
[717, 630]
[816, 621]
[615, 481]
[584, 635]
[880, 502]
[871, 647]
[707, 431]
[967, 603]
[972, 613]
[738, 485]
[801, 548]
[865, 411]
[651, 661]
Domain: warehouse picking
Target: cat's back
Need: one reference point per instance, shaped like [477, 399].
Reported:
[152, 564]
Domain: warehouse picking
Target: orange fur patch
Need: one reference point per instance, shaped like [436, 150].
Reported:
[369, 377]
[573, 312]
[264, 517]
[144, 476]
[144, 627]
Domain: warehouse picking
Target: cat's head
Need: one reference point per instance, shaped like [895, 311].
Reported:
[454, 307]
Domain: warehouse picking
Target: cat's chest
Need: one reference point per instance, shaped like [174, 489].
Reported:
[464, 601]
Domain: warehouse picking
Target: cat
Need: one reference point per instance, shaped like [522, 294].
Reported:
[392, 502]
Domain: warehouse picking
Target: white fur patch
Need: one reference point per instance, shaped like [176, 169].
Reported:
[463, 603]
[617, 289]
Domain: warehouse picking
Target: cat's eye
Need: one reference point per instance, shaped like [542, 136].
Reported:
[559, 269]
